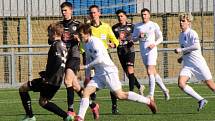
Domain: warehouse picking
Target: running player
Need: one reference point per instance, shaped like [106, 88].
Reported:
[50, 80]
[106, 74]
[194, 63]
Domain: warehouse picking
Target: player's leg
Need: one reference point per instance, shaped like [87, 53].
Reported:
[132, 96]
[130, 58]
[115, 86]
[72, 67]
[160, 83]
[44, 102]
[33, 85]
[151, 76]
[182, 83]
[210, 83]
[84, 103]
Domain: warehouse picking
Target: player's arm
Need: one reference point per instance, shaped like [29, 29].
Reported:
[189, 49]
[112, 38]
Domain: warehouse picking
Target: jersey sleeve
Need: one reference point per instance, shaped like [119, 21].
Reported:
[112, 37]
[158, 34]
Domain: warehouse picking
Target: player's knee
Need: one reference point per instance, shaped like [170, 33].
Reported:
[43, 102]
[181, 85]
[23, 88]
[121, 95]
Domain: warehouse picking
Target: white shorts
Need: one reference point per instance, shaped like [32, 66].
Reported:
[201, 73]
[110, 80]
[149, 56]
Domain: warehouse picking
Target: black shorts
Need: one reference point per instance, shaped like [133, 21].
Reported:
[126, 59]
[46, 90]
[74, 64]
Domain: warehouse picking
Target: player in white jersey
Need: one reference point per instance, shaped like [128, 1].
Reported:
[106, 74]
[193, 61]
[149, 35]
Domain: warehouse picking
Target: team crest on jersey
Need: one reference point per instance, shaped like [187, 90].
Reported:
[74, 28]
[116, 29]
[128, 29]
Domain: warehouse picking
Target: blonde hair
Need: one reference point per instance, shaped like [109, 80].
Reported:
[187, 16]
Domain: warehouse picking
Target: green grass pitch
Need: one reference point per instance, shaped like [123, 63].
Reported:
[179, 108]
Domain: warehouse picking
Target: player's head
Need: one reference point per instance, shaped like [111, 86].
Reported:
[185, 20]
[145, 15]
[55, 30]
[66, 10]
[94, 12]
[85, 32]
[122, 16]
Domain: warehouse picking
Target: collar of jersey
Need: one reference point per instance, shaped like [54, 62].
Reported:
[100, 23]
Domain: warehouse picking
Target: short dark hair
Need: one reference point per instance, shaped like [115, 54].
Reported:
[85, 28]
[66, 4]
[145, 9]
[94, 6]
[120, 11]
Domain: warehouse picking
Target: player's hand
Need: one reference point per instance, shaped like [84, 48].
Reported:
[111, 45]
[180, 60]
[86, 81]
[76, 37]
[178, 50]
[151, 46]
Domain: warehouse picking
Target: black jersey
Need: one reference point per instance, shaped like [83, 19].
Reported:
[70, 28]
[56, 63]
[127, 29]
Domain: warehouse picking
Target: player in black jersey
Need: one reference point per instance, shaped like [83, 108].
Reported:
[125, 50]
[50, 80]
[70, 38]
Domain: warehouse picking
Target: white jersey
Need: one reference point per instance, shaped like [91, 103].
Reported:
[193, 61]
[191, 58]
[152, 35]
[98, 57]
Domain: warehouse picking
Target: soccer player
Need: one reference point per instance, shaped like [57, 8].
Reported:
[50, 80]
[104, 32]
[194, 63]
[149, 35]
[125, 50]
[106, 74]
[73, 60]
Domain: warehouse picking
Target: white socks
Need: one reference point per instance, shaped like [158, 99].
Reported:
[84, 104]
[151, 85]
[189, 90]
[138, 98]
[160, 83]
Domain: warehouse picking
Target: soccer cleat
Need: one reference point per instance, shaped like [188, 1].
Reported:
[78, 118]
[71, 113]
[27, 118]
[115, 111]
[202, 104]
[152, 106]
[95, 112]
[141, 90]
[69, 118]
[166, 94]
